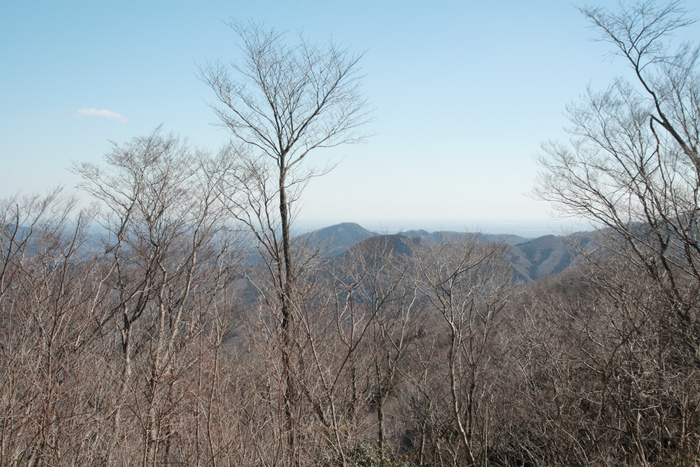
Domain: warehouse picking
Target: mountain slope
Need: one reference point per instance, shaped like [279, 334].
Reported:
[542, 256]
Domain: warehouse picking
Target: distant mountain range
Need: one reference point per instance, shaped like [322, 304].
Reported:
[532, 258]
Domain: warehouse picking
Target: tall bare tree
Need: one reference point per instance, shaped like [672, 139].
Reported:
[632, 166]
[282, 102]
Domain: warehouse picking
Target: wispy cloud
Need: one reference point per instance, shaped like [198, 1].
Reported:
[100, 113]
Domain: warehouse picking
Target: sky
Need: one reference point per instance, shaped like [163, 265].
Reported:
[463, 94]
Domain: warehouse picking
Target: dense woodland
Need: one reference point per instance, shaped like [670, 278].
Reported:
[178, 321]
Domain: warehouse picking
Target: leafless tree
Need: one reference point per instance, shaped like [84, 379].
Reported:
[281, 102]
[47, 294]
[392, 301]
[163, 219]
[468, 283]
[632, 167]
[376, 318]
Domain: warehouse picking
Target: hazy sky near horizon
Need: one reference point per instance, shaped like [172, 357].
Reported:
[463, 92]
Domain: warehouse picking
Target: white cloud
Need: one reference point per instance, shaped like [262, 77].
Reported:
[100, 113]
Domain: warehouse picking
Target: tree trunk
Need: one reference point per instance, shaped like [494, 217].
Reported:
[287, 325]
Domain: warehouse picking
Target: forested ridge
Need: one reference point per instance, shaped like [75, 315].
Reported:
[178, 321]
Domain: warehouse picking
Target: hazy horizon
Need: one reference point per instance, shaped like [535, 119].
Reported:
[522, 228]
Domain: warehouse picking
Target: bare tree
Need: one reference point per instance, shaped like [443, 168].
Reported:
[380, 268]
[632, 167]
[375, 311]
[281, 102]
[164, 221]
[47, 287]
[468, 283]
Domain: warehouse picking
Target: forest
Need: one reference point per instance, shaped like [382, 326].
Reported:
[178, 321]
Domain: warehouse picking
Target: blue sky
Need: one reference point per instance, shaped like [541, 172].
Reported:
[464, 92]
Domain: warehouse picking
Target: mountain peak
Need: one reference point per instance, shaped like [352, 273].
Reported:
[339, 237]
